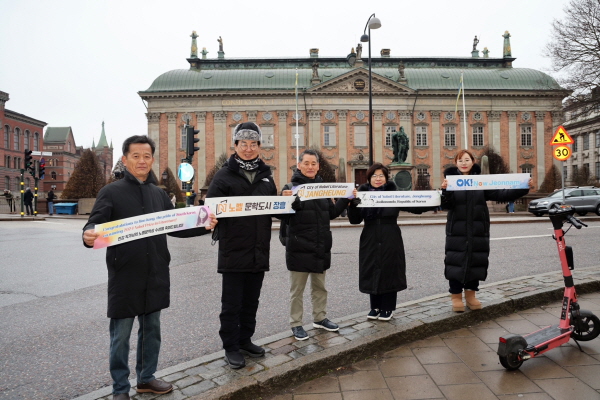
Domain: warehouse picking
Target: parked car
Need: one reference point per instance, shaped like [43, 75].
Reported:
[583, 199]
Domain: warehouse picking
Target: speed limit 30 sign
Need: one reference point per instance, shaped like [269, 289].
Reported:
[561, 153]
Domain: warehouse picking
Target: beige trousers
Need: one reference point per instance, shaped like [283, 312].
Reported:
[318, 295]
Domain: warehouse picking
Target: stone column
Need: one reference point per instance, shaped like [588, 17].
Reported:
[200, 164]
[282, 149]
[343, 138]
[406, 122]
[172, 142]
[314, 120]
[220, 133]
[512, 142]
[494, 129]
[436, 150]
[540, 146]
[154, 134]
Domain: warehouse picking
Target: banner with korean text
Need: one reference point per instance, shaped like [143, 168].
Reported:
[417, 198]
[243, 206]
[487, 182]
[158, 223]
[310, 191]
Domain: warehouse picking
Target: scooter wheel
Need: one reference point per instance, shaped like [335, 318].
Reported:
[586, 327]
[511, 361]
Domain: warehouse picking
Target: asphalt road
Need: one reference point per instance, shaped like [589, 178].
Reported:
[54, 330]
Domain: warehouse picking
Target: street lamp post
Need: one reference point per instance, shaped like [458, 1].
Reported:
[372, 23]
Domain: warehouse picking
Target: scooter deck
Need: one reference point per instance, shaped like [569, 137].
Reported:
[543, 335]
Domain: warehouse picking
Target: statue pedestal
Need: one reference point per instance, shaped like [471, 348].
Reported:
[402, 175]
[221, 54]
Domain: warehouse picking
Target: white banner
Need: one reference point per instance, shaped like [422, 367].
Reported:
[158, 223]
[487, 182]
[310, 191]
[417, 198]
[243, 206]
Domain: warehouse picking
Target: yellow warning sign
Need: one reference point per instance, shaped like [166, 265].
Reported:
[561, 137]
[561, 153]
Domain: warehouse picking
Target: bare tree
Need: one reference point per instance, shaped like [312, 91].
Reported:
[574, 50]
[583, 177]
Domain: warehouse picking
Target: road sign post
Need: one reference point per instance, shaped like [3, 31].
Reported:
[562, 153]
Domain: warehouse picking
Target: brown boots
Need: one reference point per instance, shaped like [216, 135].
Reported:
[457, 303]
[472, 302]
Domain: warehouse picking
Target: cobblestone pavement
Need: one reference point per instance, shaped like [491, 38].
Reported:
[425, 352]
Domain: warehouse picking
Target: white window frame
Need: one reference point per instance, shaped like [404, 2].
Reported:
[389, 131]
[329, 135]
[450, 135]
[421, 135]
[360, 135]
[268, 136]
[300, 136]
[526, 135]
[477, 136]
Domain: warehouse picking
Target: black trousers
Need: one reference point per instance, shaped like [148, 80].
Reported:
[384, 302]
[239, 302]
[457, 287]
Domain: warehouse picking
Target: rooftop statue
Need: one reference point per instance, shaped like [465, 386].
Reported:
[475, 42]
[220, 43]
[507, 52]
[194, 52]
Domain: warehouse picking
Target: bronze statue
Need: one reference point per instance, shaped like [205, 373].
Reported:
[194, 52]
[475, 42]
[220, 44]
[507, 51]
[359, 51]
[315, 70]
[401, 69]
[400, 146]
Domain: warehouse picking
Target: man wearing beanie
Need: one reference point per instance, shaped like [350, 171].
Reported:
[244, 244]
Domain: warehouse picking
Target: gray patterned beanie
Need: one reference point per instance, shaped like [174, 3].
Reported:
[247, 131]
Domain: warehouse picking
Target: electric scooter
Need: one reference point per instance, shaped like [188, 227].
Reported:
[581, 325]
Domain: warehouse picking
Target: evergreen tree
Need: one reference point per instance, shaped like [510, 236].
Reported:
[496, 162]
[326, 170]
[172, 186]
[87, 178]
[117, 172]
[218, 165]
[552, 180]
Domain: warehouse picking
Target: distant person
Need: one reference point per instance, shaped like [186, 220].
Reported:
[10, 200]
[468, 232]
[28, 201]
[308, 247]
[138, 271]
[173, 199]
[50, 197]
[192, 199]
[244, 244]
[511, 207]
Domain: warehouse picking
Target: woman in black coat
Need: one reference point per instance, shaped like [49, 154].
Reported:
[468, 232]
[382, 264]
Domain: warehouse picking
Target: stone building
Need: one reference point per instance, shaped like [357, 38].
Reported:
[513, 110]
[19, 133]
[65, 155]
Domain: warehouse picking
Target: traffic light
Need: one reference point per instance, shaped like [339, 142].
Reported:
[42, 167]
[28, 160]
[191, 142]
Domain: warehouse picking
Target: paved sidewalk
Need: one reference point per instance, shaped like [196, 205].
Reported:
[425, 352]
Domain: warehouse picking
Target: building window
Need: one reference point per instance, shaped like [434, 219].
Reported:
[17, 132]
[184, 137]
[6, 137]
[53, 175]
[526, 136]
[526, 170]
[329, 135]
[421, 136]
[389, 131]
[450, 136]
[27, 183]
[360, 136]
[299, 140]
[575, 172]
[7, 162]
[17, 181]
[478, 135]
[575, 143]
[36, 141]
[268, 138]
[597, 170]
[586, 141]
[6, 182]
[26, 143]
[598, 139]
[18, 163]
[586, 168]
[565, 171]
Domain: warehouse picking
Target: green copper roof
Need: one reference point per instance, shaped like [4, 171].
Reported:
[102, 142]
[57, 135]
[436, 78]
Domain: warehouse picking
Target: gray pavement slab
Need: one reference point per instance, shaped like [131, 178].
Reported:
[417, 354]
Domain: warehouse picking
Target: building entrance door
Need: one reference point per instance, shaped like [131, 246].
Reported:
[360, 176]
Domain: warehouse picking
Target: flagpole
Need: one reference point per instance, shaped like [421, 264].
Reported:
[464, 112]
[296, 135]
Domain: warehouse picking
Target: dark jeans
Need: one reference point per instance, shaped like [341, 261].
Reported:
[29, 209]
[148, 348]
[384, 302]
[457, 287]
[239, 302]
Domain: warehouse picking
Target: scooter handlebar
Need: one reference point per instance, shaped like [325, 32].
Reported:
[575, 222]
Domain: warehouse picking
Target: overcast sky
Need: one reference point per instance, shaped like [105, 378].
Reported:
[80, 62]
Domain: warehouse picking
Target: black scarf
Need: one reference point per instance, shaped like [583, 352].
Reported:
[247, 165]
[373, 212]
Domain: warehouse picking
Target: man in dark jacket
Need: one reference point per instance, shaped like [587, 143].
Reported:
[308, 247]
[138, 271]
[28, 201]
[244, 244]
[50, 198]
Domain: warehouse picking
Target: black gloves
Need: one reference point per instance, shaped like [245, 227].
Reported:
[297, 204]
[354, 202]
